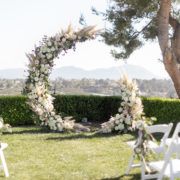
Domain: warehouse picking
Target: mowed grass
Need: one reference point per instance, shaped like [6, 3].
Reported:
[33, 154]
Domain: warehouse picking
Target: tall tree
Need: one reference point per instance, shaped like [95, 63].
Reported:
[133, 22]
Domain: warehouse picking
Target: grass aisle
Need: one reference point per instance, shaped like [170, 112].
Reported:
[33, 154]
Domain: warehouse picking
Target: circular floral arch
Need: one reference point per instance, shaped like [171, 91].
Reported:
[41, 62]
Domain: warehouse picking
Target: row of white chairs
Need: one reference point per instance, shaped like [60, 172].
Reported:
[170, 165]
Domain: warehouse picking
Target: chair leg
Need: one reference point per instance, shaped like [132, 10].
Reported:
[130, 164]
[4, 164]
[142, 171]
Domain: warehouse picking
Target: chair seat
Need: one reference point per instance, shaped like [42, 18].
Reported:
[157, 165]
[169, 140]
[152, 145]
[3, 146]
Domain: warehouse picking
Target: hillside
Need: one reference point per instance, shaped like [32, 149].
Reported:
[71, 72]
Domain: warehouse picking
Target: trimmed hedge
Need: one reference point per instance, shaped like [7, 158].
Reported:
[165, 110]
[95, 108]
[15, 111]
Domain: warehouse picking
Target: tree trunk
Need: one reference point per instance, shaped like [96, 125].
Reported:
[170, 49]
[172, 68]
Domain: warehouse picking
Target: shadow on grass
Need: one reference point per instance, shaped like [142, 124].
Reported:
[29, 130]
[81, 136]
[124, 177]
[65, 135]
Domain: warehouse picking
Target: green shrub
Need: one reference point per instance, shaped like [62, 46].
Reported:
[165, 110]
[95, 108]
[15, 111]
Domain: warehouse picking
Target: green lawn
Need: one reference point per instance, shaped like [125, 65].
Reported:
[33, 154]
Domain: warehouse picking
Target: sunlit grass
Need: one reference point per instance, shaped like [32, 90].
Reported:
[34, 154]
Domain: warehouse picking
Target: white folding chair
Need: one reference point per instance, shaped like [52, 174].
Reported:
[170, 166]
[176, 140]
[3, 161]
[154, 146]
[169, 140]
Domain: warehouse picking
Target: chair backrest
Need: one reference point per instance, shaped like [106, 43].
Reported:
[174, 147]
[164, 129]
[176, 132]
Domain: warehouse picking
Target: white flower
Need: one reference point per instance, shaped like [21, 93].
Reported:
[121, 127]
[120, 109]
[42, 69]
[116, 128]
[79, 37]
[128, 120]
[125, 112]
[59, 127]
[112, 119]
[36, 79]
[53, 49]
[63, 40]
[121, 120]
[130, 104]
[140, 124]
[49, 43]
[73, 37]
[46, 66]
[42, 56]
[68, 124]
[48, 50]
[30, 87]
[58, 118]
[43, 49]
[123, 95]
[39, 111]
[49, 56]
[36, 62]
[52, 123]
[36, 73]
[117, 116]
[40, 84]
[126, 99]
[128, 92]
[117, 121]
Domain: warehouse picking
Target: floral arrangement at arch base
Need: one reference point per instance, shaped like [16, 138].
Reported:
[4, 128]
[41, 62]
[130, 117]
[130, 114]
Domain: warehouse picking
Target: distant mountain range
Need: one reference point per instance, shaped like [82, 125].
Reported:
[71, 72]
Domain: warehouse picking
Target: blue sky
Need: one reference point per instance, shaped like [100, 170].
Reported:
[23, 24]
